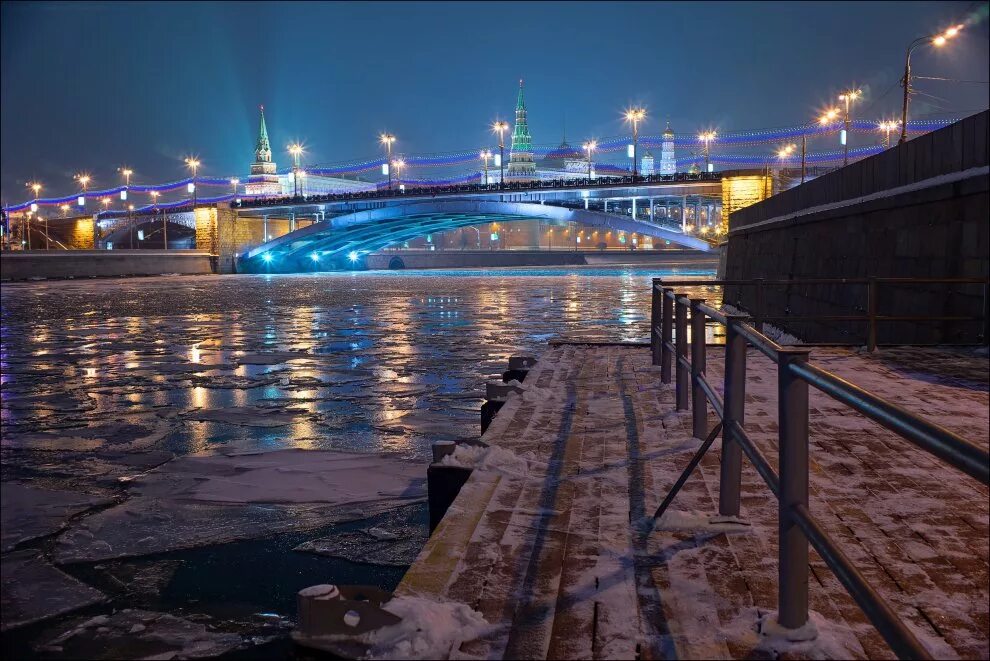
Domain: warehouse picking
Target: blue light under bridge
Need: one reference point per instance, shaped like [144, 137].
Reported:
[332, 244]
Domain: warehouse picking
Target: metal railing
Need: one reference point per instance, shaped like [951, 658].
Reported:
[870, 313]
[797, 525]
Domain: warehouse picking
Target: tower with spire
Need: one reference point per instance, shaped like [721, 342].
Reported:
[264, 178]
[521, 164]
[668, 161]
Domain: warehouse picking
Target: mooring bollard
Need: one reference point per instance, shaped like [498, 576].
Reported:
[699, 403]
[519, 367]
[666, 334]
[443, 481]
[680, 343]
[730, 474]
[792, 580]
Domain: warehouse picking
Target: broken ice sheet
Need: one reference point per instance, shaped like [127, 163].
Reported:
[32, 590]
[134, 432]
[29, 512]
[249, 416]
[131, 633]
[200, 500]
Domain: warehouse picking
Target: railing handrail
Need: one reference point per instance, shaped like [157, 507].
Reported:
[790, 487]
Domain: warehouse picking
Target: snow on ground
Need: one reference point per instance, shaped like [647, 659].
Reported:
[430, 629]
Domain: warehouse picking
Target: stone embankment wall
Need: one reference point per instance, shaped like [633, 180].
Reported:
[918, 210]
[445, 259]
[37, 264]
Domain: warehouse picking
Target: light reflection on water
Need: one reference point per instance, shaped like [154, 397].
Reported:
[374, 361]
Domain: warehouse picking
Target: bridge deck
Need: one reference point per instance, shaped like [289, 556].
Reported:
[543, 541]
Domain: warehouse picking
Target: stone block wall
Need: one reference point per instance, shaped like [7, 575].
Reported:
[900, 224]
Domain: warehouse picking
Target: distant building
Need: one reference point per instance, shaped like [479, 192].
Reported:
[521, 164]
[646, 165]
[668, 161]
[263, 180]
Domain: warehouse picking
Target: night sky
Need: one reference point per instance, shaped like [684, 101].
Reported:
[93, 86]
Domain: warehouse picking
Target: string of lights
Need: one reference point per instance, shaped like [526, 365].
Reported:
[608, 145]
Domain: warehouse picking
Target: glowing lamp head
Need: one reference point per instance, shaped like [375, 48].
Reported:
[635, 115]
[590, 146]
[386, 139]
[83, 179]
[315, 256]
[266, 257]
[500, 127]
[64, 208]
[353, 256]
[295, 149]
[193, 164]
[35, 186]
[154, 194]
[234, 181]
[126, 172]
[939, 40]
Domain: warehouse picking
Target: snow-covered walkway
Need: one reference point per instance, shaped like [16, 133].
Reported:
[547, 541]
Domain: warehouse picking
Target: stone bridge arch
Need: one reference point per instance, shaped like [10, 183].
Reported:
[361, 232]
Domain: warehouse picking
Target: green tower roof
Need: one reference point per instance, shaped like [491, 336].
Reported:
[263, 150]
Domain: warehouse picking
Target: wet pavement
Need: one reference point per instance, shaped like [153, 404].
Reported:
[108, 386]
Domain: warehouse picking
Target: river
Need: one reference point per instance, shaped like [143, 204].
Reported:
[105, 381]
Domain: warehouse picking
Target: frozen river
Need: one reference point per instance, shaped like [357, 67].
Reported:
[134, 412]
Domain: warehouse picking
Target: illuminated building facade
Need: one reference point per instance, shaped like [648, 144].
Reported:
[668, 161]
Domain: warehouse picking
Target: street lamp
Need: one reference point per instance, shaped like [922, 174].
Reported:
[782, 154]
[501, 127]
[193, 164]
[296, 150]
[848, 97]
[398, 164]
[83, 180]
[36, 187]
[706, 138]
[888, 127]
[154, 203]
[387, 139]
[634, 116]
[589, 147]
[485, 155]
[938, 40]
[234, 181]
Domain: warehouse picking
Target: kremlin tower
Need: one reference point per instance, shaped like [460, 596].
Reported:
[521, 164]
[263, 179]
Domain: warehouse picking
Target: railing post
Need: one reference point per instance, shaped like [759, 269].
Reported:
[761, 304]
[871, 311]
[666, 334]
[680, 342]
[730, 475]
[656, 310]
[699, 403]
[792, 398]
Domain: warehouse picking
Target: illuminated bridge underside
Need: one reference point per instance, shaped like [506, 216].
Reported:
[366, 231]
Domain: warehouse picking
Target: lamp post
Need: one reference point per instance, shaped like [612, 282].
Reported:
[83, 180]
[847, 97]
[937, 40]
[154, 202]
[387, 139]
[398, 164]
[706, 138]
[193, 165]
[234, 182]
[590, 147]
[634, 116]
[485, 155]
[827, 117]
[501, 127]
[36, 187]
[782, 154]
[888, 127]
[127, 172]
[296, 150]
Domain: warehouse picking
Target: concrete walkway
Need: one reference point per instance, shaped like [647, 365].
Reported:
[550, 540]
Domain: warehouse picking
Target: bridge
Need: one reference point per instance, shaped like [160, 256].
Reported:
[339, 231]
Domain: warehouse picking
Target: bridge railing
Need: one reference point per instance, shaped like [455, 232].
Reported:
[455, 189]
[797, 526]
